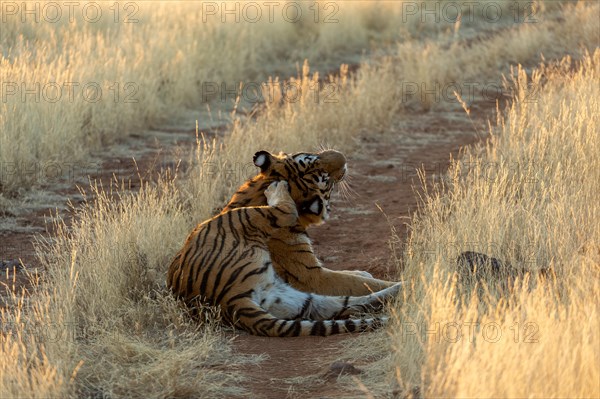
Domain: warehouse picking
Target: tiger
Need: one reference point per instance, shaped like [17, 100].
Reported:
[227, 261]
[291, 250]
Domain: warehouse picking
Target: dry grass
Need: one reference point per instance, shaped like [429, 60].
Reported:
[537, 209]
[104, 280]
[432, 70]
[101, 322]
[69, 87]
[96, 81]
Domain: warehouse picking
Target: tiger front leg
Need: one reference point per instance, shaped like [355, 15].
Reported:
[335, 282]
[295, 261]
[282, 204]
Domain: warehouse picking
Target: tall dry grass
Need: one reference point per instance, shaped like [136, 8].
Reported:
[68, 87]
[528, 197]
[80, 79]
[100, 323]
[432, 70]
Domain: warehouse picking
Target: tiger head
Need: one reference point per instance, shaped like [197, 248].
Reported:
[311, 178]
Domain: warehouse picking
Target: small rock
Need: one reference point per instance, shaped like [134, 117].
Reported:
[342, 368]
[10, 264]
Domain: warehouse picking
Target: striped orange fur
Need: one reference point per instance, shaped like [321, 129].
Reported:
[255, 259]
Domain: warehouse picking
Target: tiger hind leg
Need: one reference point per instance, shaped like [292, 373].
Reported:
[284, 301]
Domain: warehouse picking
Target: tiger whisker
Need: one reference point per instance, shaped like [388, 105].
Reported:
[346, 191]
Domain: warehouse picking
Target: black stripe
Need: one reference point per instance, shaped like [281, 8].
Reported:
[234, 276]
[270, 326]
[245, 308]
[281, 210]
[229, 284]
[257, 271]
[241, 295]
[244, 202]
[350, 326]
[222, 266]
[275, 175]
[335, 327]
[298, 229]
[202, 233]
[232, 228]
[291, 275]
[239, 213]
[290, 172]
[283, 323]
[310, 267]
[195, 266]
[298, 244]
[346, 301]
[294, 329]
[274, 221]
[248, 222]
[263, 187]
[206, 229]
[343, 308]
[189, 249]
[281, 241]
[300, 184]
[198, 249]
[226, 263]
[305, 306]
[214, 251]
[260, 320]
[252, 314]
[318, 328]
[303, 251]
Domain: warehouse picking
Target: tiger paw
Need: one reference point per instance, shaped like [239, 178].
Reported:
[277, 193]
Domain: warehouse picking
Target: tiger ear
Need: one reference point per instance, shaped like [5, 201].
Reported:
[263, 160]
[314, 206]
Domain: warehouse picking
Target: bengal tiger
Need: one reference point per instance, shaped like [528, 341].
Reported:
[291, 249]
[227, 260]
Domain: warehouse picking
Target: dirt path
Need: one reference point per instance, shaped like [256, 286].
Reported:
[383, 172]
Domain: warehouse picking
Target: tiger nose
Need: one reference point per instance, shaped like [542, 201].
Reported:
[336, 163]
[344, 170]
